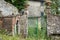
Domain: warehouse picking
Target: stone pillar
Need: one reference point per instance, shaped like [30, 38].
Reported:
[24, 23]
[47, 11]
[23, 26]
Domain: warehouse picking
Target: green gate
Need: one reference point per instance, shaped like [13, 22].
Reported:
[32, 27]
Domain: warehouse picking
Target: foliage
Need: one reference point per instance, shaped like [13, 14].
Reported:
[6, 37]
[55, 6]
[18, 3]
[2, 31]
[40, 33]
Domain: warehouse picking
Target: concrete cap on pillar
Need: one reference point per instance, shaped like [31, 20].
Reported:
[47, 1]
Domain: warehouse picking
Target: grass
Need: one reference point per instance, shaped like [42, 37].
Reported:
[41, 36]
[6, 37]
[34, 34]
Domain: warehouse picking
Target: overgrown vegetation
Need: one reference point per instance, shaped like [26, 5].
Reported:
[55, 7]
[6, 37]
[34, 34]
[18, 3]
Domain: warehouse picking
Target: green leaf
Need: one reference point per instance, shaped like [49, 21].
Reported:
[13, 0]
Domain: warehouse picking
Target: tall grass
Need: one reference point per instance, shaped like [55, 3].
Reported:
[33, 34]
[6, 37]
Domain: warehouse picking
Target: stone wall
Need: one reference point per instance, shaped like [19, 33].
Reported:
[1, 22]
[55, 37]
[7, 9]
[7, 24]
[53, 24]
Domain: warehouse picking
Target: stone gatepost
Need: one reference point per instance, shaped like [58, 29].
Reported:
[24, 24]
[48, 12]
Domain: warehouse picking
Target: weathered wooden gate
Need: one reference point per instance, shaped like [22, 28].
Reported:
[33, 17]
[32, 27]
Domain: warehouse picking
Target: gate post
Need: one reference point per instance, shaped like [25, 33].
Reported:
[24, 22]
[47, 10]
